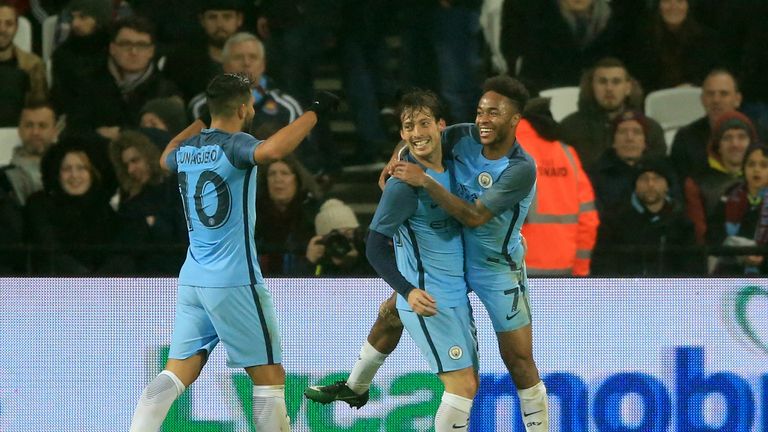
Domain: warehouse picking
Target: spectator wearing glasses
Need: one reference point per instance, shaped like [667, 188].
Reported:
[128, 79]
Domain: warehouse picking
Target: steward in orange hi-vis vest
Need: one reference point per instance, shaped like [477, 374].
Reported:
[561, 227]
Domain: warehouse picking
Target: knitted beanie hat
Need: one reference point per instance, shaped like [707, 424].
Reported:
[657, 165]
[627, 116]
[726, 122]
[334, 214]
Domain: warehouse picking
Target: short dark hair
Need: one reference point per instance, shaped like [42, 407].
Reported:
[11, 5]
[415, 100]
[510, 88]
[610, 62]
[753, 147]
[234, 5]
[136, 23]
[37, 103]
[226, 92]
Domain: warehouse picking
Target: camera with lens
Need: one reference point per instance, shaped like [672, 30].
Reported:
[336, 244]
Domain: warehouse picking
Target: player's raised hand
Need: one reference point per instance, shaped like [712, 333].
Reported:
[324, 102]
[422, 303]
[410, 173]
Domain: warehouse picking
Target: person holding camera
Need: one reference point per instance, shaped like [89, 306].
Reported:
[338, 247]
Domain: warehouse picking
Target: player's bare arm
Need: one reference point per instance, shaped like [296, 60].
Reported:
[471, 215]
[285, 141]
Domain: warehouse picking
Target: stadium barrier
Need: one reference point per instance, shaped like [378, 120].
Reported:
[616, 355]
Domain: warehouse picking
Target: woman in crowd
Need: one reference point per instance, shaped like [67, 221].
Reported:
[672, 48]
[286, 211]
[70, 220]
[150, 213]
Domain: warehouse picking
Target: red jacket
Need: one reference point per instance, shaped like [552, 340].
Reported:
[561, 226]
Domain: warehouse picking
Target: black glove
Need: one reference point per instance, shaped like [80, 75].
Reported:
[325, 102]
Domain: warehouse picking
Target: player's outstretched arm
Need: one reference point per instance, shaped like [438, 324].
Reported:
[471, 215]
[191, 130]
[285, 141]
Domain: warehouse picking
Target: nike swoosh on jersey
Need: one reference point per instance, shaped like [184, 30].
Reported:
[525, 414]
[513, 315]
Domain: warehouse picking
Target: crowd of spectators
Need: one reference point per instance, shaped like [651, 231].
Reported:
[84, 194]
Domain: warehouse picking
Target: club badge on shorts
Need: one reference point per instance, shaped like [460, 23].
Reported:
[455, 352]
[484, 179]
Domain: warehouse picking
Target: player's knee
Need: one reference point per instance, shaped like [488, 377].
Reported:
[471, 385]
[388, 315]
[267, 374]
[464, 383]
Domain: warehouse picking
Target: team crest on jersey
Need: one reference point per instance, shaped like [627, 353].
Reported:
[485, 179]
[270, 107]
[455, 352]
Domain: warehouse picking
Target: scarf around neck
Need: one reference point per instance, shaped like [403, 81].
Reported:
[587, 28]
[737, 204]
[128, 83]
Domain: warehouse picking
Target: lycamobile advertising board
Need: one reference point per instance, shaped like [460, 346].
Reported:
[616, 355]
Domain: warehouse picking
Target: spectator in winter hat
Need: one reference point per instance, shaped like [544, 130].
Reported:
[732, 134]
[338, 248]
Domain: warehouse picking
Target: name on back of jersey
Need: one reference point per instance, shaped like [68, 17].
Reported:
[202, 157]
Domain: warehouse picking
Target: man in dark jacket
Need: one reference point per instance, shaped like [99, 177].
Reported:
[719, 94]
[219, 19]
[614, 173]
[647, 235]
[244, 53]
[126, 81]
[607, 90]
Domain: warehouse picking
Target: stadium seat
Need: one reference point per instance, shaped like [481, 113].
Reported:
[674, 108]
[564, 101]
[23, 38]
[9, 139]
[49, 34]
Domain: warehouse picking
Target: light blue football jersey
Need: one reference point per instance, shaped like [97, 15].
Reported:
[505, 186]
[217, 182]
[427, 240]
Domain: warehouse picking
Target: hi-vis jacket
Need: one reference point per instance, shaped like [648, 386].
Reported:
[561, 227]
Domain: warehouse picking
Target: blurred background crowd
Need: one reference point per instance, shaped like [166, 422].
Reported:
[648, 134]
